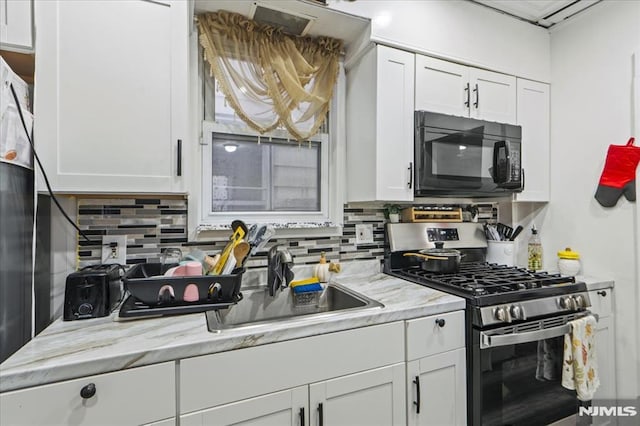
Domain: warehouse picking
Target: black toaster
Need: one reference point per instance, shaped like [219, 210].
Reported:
[92, 292]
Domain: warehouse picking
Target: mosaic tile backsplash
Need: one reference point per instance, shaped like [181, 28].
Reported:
[153, 224]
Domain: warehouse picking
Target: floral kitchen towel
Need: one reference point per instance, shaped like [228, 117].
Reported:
[580, 366]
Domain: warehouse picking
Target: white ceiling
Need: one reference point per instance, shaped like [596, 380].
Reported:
[544, 13]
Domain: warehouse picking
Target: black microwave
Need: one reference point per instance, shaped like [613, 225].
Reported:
[464, 157]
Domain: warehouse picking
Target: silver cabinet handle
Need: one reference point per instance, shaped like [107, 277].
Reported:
[410, 183]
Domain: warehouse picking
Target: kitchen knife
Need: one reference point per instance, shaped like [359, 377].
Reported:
[517, 232]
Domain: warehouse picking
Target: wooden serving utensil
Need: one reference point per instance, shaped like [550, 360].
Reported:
[238, 234]
[240, 252]
[426, 256]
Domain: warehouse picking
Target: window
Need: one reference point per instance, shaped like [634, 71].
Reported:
[276, 180]
[269, 178]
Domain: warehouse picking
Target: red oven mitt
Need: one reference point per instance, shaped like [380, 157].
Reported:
[619, 174]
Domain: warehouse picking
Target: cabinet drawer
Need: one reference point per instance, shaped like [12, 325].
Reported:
[601, 301]
[135, 396]
[435, 334]
[216, 379]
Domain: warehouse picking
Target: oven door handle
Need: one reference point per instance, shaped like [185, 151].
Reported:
[489, 341]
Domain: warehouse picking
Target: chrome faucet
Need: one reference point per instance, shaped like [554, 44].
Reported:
[279, 273]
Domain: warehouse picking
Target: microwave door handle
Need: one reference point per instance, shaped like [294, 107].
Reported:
[494, 169]
[489, 341]
[501, 145]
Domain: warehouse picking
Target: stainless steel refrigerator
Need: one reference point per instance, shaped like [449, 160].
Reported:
[16, 248]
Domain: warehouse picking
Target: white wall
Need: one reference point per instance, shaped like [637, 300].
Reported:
[459, 31]
[591, 107]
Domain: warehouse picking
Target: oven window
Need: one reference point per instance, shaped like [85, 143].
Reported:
[521, 384]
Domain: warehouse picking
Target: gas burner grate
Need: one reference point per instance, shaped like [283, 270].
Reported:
[481, 279]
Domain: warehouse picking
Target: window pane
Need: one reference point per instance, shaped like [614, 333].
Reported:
[270, 176]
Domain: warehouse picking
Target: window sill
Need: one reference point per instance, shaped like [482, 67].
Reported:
[283, 230]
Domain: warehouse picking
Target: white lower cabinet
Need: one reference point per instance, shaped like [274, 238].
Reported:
[360, 377]
[601, 304]
[436, 370]
[374, 397]
[436, 390]
[129, 397]
[289, 407]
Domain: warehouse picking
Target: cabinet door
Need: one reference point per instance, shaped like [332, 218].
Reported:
[111, 97]
[15, 25]
[394, 124]
[442, 86]
[493, 96]
[289, 407]
[374, 397]
[436, 390]
[533, 116]
[128, 397]
[605, 347]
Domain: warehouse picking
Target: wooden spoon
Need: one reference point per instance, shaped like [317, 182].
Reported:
[426, 256]
[240, 251]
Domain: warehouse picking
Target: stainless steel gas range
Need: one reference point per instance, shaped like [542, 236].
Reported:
[515, 321]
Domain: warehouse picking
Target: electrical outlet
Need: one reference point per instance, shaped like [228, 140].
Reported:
[364, 233]
[116, 254]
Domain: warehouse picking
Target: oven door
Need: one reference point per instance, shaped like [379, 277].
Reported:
[517, 372]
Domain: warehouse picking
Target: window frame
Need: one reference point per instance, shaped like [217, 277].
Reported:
[208, 217]
[199, 229]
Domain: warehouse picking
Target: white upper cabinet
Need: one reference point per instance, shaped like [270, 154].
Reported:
[442, 86]
[454, 89]
[16, 30]
[111, 94]
[533, 116]
[380, 107]
[493, 96]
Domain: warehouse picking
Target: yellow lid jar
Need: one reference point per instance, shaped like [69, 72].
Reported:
[568, 262]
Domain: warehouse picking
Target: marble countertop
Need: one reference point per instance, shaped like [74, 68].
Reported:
[595, 283]
[72, 349]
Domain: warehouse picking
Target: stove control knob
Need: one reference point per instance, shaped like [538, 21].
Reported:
[580, 302]
[517, 312]
[501, 313]
[568, 303]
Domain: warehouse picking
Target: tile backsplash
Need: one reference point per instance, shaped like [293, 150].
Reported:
[152, 224]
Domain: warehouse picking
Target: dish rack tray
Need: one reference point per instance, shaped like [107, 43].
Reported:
[147, 284]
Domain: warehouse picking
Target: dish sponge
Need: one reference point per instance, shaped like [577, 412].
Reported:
[306, 285]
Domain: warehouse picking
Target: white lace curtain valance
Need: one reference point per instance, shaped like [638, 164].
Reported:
[269, 78]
